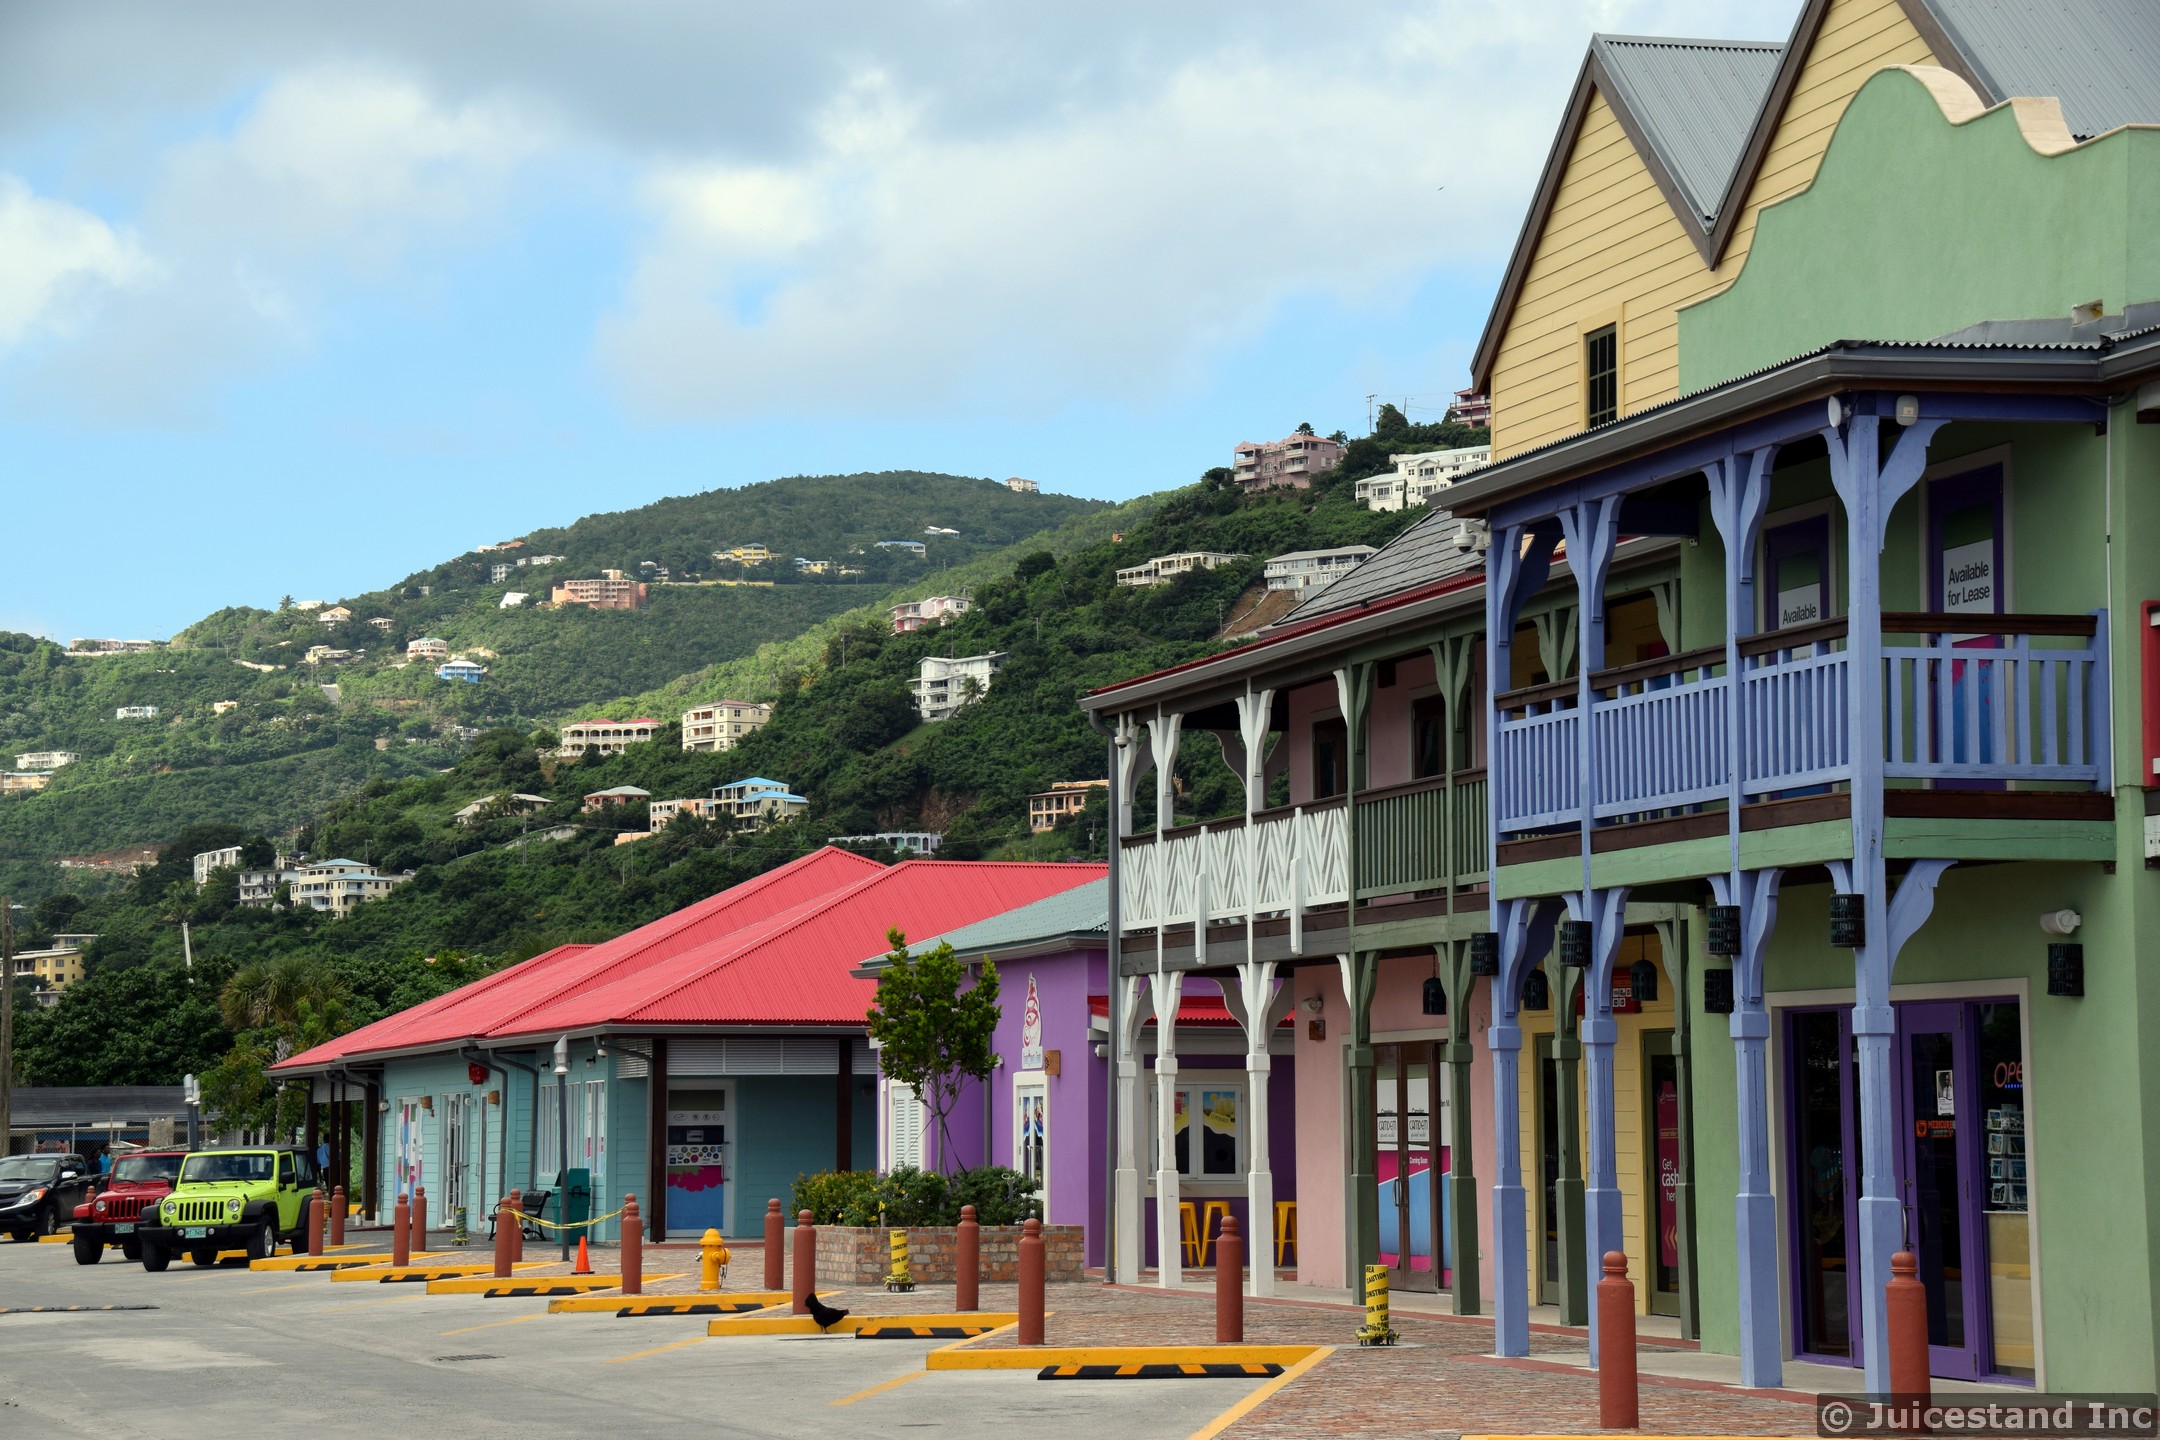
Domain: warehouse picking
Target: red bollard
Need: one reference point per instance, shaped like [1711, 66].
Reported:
[1031, 1282]
[418, 1242]
[775, 1253]
[633, 1247]
[505, 1228]
[1229, 1283]
[967, 1262]
[337, 1218]
[517, 1227]
[805, 1262]
[1908, 1330]
[401, 1234]
[318, 1222]
[1619, 1402]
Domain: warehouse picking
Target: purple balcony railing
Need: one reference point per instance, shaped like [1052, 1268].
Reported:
[1968, 700]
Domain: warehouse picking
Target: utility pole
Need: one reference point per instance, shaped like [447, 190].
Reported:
[1369, 411]
[7, 1025]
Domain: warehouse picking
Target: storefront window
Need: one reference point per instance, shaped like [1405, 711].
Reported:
[2009, 1230]
[1031, 1129]
[1215, 1113]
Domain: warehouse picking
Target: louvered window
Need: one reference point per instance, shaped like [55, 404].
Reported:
[1601, 375]
[904, 1127]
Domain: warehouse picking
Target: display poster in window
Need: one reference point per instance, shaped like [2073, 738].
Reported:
[1968, 578]
[1801, 605]
[1031, 1046]
[1668, 1172]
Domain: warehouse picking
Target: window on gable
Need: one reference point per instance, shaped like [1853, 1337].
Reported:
[1601, 375]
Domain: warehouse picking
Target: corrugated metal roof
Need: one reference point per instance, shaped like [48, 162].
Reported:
[498, 1001]
[1420, 555]
[1696, 101]
[2100, 58]
[1082, 910]
[796, 970]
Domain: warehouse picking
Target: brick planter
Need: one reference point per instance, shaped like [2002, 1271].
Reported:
[861, 1255]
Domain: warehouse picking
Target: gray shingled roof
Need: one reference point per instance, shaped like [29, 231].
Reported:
[1695, 99]
[1083, 910]
[1421, 554]
[2100, 58]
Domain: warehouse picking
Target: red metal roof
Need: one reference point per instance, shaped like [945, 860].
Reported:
[486, 1005]
[794, 970]
[775, 950]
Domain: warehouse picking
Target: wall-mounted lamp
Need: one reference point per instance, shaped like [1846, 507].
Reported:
[2061, 922]
[600, 1048]
[1314, 1004]
[1908, 410]
[382, 1107]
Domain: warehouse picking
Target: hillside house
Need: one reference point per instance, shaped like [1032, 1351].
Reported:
[912, 547]
[488, 807]
[723, 724]
[223, 707]
[807, 566]
[328, 655]
[1304, 570]
[614, 796]
[609, 737]
[1292, 461]
[1164, 568]
[427, 647]
[227, 858]
[945, 684]
[1471, 407]
[1417, 478]
[53, 969]
[333, 615]
[912, 615]
[758, 801]
[906, 842]
[743, 555]
[498, 547]
[611, 591]
[24, 782]
[500, 571]
[468, 671]
[335, 887]
[1021, 487]
[44, 759]
[111, 647]
[383, 623]
[662, 813]
[513, 600]
[135, 712]
[1064, 797]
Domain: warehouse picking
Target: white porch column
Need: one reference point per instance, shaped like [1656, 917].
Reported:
[1131, 1104]
[1259, 1007]
[1162, 736]
[1169, 989]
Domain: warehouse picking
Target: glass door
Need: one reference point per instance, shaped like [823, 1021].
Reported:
[1662, 1160]
[1408, 1163]
[1825, 1262]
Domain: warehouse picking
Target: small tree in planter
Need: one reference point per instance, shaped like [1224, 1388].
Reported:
[931, 1034]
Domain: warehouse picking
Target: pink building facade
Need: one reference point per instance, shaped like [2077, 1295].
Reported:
[1292, 462]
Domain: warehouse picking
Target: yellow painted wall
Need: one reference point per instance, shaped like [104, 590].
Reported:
[1612, 251]
[1630, 1102]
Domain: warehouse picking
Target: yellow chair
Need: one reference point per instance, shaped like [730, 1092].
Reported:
[1193, 1243]
[1285, 1229]
[1212, 1214]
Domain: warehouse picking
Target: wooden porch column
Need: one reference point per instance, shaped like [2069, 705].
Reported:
[1453, 661]
[1525, 933]
[1360, 975]
[844, 1101]
[1127, 1236]
[371, 1151]
[656, 1123]
[1167, 989]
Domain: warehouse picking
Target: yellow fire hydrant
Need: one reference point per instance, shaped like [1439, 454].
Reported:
[898, 1279]
[713, 1258]
[1376, 1329]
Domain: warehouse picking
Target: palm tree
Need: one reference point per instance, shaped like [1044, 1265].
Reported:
[298, 996]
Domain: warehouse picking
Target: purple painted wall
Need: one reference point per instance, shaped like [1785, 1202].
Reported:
[1079, 1097]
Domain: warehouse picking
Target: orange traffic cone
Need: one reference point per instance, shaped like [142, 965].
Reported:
[584, 1258]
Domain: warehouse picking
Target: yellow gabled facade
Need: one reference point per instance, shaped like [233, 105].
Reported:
[1611, 250]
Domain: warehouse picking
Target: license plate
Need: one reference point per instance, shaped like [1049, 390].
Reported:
[195, 1232]
[126, 1227]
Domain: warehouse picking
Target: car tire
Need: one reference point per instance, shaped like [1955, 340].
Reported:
[88, 1252]
[202, 1259]
[262, 1241]
[48, 1221]
[18, 1236]
[154, 1258]
[131, 1249]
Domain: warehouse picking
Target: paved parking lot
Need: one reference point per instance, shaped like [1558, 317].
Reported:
[229, 1353]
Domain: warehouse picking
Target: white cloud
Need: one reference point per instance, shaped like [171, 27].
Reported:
[328, 182]
[1109, 251]
[56, 260]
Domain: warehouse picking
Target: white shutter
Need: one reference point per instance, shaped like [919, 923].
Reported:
[697, 1057]
[907, 1126]
[755, 1056]
[819, 1055]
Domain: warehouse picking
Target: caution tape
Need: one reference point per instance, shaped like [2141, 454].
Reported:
[566, 1224]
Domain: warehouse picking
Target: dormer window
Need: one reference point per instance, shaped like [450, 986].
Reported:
[1601, 375]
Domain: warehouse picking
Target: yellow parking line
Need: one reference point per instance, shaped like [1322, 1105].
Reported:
[880, 1388]
[491, 1325]
[393, 1300]
[1253, 1401]
[273, 1289]
[657, 1350]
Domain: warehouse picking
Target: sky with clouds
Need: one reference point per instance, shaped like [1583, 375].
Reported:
[298, 299]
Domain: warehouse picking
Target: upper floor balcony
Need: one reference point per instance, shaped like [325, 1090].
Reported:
[1296, 859]
[1972, 704]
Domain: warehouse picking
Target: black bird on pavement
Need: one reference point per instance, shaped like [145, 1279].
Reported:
[825, 1315]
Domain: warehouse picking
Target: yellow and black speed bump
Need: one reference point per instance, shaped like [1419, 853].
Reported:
[66, 1309]
[1213, 1370]
[537, 1290]
[317, 1266]
[691, 1307]
[413, 1273]
[870, 1330]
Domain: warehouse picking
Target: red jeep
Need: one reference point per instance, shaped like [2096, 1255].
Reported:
[138, 1181]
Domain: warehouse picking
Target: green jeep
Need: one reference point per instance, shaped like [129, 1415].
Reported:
[231, 1200]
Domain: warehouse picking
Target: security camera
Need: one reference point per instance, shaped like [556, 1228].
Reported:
[1468, 537]
[2061, 922]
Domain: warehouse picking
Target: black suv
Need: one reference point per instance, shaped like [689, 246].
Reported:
[37, 1192]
